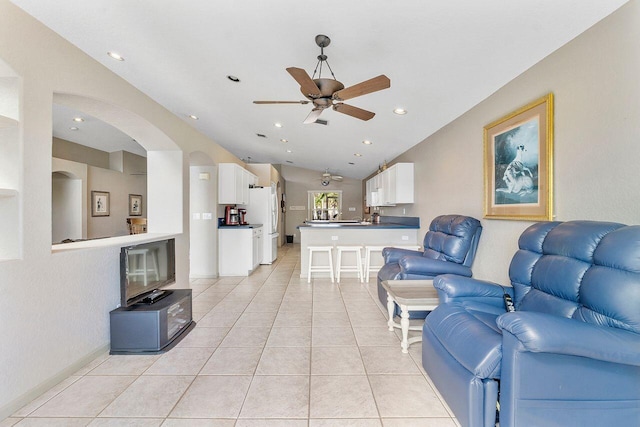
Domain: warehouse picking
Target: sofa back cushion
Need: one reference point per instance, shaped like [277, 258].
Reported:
[452, 238]
[586, 270]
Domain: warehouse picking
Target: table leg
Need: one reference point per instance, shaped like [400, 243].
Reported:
[390, 310]
[404, 323]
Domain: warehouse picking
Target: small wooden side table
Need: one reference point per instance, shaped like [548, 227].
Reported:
[410, 295]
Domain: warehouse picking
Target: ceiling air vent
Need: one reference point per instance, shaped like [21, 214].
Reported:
[322, 122]
[261, 135]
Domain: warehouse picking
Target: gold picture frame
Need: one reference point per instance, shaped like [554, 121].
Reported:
[518, 164]
[100, 203]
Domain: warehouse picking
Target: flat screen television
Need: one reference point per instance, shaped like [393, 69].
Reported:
[144, 269]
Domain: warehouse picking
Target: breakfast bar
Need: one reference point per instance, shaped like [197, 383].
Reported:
[391, 231]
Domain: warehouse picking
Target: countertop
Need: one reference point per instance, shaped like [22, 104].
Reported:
[241, 226]
[388, 222]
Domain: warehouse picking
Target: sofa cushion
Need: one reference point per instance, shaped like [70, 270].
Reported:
[468, 331]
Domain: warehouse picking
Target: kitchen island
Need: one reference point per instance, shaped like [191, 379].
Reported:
[391, 231]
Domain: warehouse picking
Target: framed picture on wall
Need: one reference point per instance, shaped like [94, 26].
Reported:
[135, 205]
[99, 203]
[518, 163]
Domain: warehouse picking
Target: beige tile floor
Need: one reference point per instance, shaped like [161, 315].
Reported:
[268, 350]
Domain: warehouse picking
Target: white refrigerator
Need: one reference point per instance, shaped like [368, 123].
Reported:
[263, 209]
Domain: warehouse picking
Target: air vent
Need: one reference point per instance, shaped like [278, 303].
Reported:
[322, 122]
[261, 135]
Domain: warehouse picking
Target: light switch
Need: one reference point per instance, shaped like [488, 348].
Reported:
[352, 209]
[334, 237]
[204, 176]
[196, 216]
[405, 237]
[207, 215]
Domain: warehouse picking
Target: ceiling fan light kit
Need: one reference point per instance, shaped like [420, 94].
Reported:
[329, 92]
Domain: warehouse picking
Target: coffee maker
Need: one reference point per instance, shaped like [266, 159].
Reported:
[231, 215]
[242, 215]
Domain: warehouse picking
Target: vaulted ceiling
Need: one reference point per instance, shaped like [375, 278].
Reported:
[442, 57]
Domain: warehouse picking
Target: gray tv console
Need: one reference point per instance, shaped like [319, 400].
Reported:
[151, 328]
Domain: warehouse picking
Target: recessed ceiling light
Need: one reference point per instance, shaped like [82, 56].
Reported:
[73, 128]
[284, 140]
[367, 142]
[78, 119]
[278, 125]
[115, 56]
[191, 116]
[400, 111]
[358, 155]
[289, 151]
[233, 78]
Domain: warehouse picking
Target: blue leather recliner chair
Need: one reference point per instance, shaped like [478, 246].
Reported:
[570, 353]
[449, 247]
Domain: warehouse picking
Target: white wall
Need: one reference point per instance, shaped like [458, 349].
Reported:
[597, 141]
[203, 199]
[66, 207]
[55, 307]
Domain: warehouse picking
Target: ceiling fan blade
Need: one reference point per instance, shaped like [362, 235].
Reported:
[356, 112]
[307, 85]
[313, 116]
[372, 85]
[281, 102]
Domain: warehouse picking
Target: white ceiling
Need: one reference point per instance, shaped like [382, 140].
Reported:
[443, 57]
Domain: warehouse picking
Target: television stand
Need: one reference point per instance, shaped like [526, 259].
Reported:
[152, 328]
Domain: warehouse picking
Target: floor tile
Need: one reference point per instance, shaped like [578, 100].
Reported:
[86, 397]
[180, 361]
[417, 399]
[53, 422]
[376, 337]
[418, 422]
[284, 361]
[287, 319]
[328, 319]
[218, 318]
[134, 364]
[345, 423]
[233, 361]
[42, 399]
[271, 423]
[323, 337]
[336, 361]
[197, 422]
[204, 337]
[213, 397]
[277, 397]
[388, 360]
[341, 397]
[149, 396]
[289, 337]
[256, 319]
[126, 422]
[246, 337]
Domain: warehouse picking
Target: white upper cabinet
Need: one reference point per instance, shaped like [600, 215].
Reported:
[233, 184]
[392, 186]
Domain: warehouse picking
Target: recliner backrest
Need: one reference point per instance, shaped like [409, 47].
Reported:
[586, 270]
[453, 238]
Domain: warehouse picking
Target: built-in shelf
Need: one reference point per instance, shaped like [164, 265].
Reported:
[8, 192]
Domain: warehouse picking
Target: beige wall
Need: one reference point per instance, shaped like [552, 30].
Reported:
[300, 181]
[67, 150]
[597, 149]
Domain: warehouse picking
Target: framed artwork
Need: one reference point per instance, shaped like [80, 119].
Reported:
[99, 203]
[135, 205]
[518, 164]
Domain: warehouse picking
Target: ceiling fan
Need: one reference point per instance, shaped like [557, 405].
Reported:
[327, 178]
[325, 93]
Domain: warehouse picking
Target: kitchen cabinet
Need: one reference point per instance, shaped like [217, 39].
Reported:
[392, 186]
[239, 250]
[233, 184]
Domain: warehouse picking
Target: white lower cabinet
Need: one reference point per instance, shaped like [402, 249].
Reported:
[239, 250]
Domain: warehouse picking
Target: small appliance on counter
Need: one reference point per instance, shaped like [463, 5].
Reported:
[231, 215]
[375, 218]
[242, 213]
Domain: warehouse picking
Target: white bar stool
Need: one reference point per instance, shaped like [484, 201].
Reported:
[368, 268]
[327, 268]
[349, 268]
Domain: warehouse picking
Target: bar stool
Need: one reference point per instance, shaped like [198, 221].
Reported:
[368, 268]
[327, 268]
[349, 268]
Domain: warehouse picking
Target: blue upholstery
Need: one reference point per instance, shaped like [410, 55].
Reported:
[568, 355]
[449, 247]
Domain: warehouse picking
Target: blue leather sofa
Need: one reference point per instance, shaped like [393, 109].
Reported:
[449, 247]
[570, 353]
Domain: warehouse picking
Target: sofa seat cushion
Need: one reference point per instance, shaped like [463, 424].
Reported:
[468, 331]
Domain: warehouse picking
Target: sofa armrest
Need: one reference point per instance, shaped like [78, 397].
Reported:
[394, 254]
[545, 333]
[431, 267]
[457, 288]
